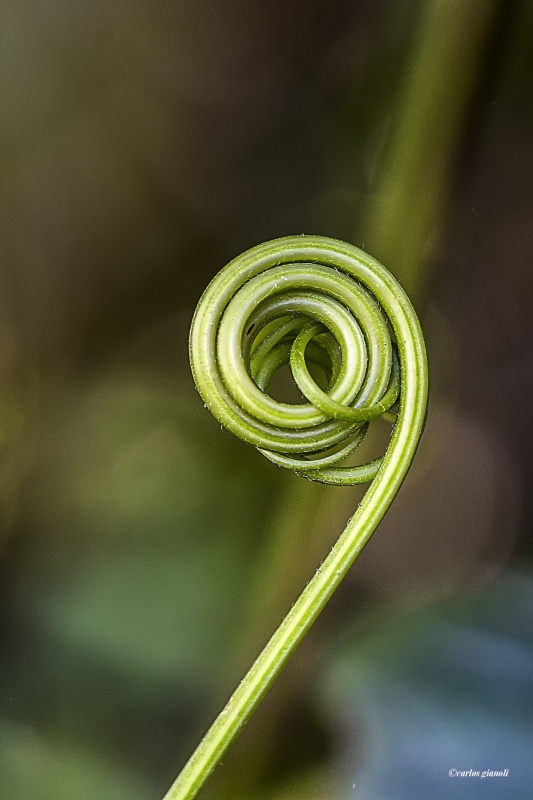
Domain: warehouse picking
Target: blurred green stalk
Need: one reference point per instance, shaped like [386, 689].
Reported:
[434, 104]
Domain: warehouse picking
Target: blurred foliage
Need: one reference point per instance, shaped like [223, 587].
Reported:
[51, 770]
[443, 71]
[448, 687]
[146, 555]
[156, 510]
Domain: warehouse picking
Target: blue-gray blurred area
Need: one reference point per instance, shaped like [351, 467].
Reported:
[145, 554]
[439, 693]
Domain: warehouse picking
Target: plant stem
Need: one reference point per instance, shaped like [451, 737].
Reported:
[443, 73]
[259, 271]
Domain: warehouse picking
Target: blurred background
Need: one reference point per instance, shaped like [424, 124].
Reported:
[146, 555]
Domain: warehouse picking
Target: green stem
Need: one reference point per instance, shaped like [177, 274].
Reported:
[426, 131]
[334, 284]
[295, 540]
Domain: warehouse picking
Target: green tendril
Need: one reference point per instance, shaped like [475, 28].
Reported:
[302, 300]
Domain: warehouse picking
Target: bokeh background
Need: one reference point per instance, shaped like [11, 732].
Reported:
[146, 555]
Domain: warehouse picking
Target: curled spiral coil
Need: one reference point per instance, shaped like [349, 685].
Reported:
[302, 300]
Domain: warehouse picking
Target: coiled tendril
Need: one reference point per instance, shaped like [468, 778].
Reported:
[303, 300]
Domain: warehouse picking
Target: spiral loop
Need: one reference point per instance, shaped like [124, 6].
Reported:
[299, 301]
[302, 300]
